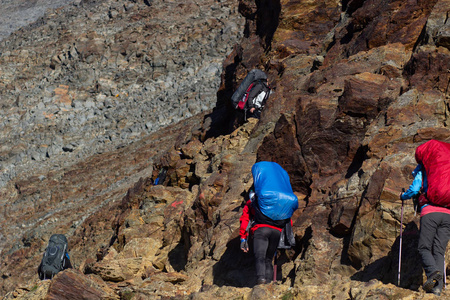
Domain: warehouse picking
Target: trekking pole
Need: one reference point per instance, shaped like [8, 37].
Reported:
[445, 275]
[275, 267]
[400, 250]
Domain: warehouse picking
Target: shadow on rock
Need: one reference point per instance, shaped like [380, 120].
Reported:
[222, 121]
[178, 257]
[235, 268]
[386, 268]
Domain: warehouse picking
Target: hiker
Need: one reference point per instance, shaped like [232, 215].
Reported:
[257, 99]
[55, 258]
[252, 94]
[433, 158]
[263, 220]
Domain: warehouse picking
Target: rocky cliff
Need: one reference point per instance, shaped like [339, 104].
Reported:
[358, 86]
[90, 77]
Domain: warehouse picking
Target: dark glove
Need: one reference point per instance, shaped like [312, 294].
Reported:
[244, 245]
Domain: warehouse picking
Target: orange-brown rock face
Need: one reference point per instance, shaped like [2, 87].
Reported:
[358, 85]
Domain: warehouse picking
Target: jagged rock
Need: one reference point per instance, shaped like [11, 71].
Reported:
[358, 85]
[437, 29]
[37, 290]
[120, 269]
[71, 284]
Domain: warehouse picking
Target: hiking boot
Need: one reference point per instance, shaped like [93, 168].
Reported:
[261, 281]
[436, 291]
[434, 278]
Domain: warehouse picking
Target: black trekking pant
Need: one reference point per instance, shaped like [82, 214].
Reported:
[433, 239]
[256, 114]
[265, 243]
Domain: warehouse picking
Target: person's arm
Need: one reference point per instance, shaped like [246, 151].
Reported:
[244, 220]
[260, 99]
[243, 230]
[414, 188]
[255, 92]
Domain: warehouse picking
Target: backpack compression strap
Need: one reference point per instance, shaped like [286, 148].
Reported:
[244, 99]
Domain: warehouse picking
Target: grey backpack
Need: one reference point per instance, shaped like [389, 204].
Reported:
[54, 255]
[241, 95]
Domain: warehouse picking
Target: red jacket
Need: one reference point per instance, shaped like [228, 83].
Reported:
[247, 215]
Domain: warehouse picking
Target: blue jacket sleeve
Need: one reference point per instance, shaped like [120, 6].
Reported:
[414, 188]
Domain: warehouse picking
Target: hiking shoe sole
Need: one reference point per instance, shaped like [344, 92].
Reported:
[436, 291]
[261, 281]
[432, 281]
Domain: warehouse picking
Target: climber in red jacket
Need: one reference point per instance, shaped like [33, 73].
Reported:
[268, 211]
[429, 185]
[265, 241]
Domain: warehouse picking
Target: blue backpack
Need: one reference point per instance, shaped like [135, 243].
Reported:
[275, 198]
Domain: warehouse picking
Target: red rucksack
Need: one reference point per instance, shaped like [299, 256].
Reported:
[435, 157]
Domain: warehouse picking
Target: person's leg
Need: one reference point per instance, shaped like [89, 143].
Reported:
[260, 245]
[440, 245]
[274, 239]
[429, 225]
[428, 229]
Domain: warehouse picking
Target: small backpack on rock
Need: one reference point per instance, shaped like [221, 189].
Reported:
[55, 257]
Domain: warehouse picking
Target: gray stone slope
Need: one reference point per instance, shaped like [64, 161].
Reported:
[96, 75]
